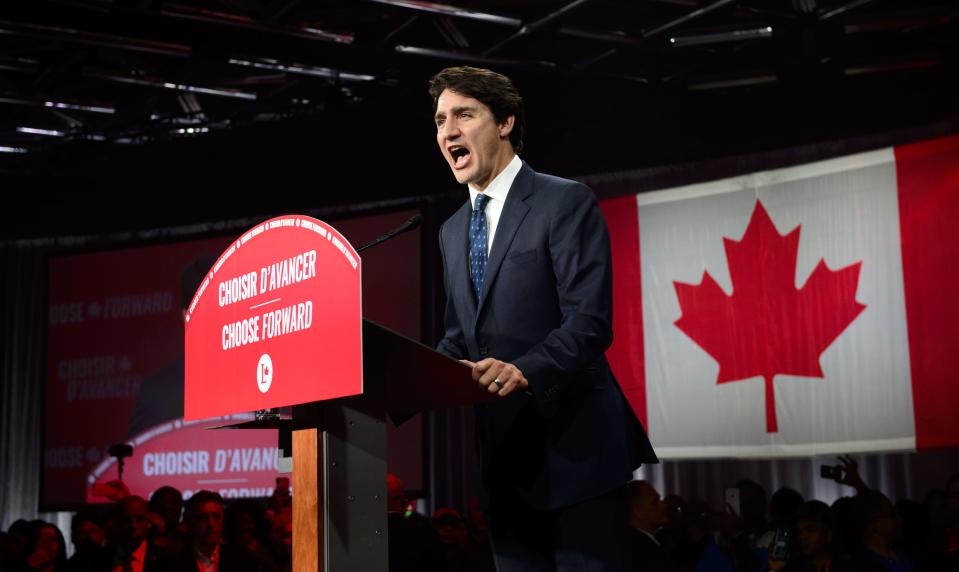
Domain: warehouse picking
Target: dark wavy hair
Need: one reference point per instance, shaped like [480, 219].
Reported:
[492, 89]
[200, 497]
[35, 526]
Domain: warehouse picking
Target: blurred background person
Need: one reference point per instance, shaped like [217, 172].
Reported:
[647, 515]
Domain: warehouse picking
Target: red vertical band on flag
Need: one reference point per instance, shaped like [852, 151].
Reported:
[928, 181]
[626, 354]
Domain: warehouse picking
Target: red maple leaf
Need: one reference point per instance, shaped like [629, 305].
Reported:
[767, 326]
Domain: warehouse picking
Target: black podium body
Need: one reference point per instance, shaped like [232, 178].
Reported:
[339, 450]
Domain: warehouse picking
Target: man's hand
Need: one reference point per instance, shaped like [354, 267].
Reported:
[157, 522]
[490, 370]
[850, 474]
[39, 560]
[112, 490]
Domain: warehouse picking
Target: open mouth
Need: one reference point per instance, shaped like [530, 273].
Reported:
[460, 156]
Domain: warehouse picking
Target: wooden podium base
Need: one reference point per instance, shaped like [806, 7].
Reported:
[339, 486]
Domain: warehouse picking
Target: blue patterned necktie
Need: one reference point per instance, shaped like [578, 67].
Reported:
[478, 242]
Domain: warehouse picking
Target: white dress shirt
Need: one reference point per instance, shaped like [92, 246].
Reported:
[497, 190]
[209, 563]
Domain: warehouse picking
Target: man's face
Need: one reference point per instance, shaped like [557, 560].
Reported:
[886, 523]
[89, 534]
[133, 523]
[474, 145]
[170, 506]
[813, 538]
[48, 542]
[206, 523]
[450, 526]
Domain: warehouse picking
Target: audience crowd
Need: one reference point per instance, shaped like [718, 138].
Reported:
[865, 532]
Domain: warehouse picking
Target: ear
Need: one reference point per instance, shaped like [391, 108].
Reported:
[506, 127]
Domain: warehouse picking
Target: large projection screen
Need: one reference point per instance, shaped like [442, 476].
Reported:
[115, 371]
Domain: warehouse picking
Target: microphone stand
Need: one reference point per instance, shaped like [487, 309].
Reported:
[413, 222]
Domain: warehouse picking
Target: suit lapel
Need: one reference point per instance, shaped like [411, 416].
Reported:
[458, 253]
[514, 211]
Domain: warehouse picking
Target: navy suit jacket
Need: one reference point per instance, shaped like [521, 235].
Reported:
[546, 307]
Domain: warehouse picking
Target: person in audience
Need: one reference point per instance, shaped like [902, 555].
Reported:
[477, 522]
[90, 552]
[245, 525]
[479, 537]
[846, 526]
[880, 534]
[647, 514]
[45, 549]
[937, 521]
[729, 548]
[450, 526]
[952, 516]
[784, 507]
[697, 534]
[671, 534]
[166, 504]
[281, 539]
[942, 533]
[8, 552]
[18, 538]
[413, 544]
[205, 550]
[131, 548]
[280, 499]
[752, 519]
[462, 554]
[914, 532]
[818, 550]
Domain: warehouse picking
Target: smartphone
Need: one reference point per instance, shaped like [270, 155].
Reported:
[780, 547]
[732, 500]
[832, 472]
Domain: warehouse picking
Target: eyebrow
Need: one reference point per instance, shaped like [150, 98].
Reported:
[456, 110]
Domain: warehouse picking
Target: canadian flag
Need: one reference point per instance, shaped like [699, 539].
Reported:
[801, 311]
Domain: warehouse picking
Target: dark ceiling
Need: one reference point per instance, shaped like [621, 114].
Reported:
[134, 113]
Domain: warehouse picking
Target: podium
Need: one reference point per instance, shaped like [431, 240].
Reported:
[339, 450]
[276, 322]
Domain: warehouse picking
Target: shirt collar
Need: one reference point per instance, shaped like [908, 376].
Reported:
[650, 535]
[499, 187]
[139, 554]
[208, 560]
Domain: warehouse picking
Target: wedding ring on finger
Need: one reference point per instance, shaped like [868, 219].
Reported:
[498, 383]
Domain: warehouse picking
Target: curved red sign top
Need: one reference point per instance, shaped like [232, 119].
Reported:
[277, 321]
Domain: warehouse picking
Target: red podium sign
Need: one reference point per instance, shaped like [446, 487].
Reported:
[277, 321]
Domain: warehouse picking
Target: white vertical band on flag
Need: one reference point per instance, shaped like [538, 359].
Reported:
[766, 178]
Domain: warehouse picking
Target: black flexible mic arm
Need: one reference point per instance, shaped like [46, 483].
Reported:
[413, 222]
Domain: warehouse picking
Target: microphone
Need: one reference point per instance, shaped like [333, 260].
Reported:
[413, 222]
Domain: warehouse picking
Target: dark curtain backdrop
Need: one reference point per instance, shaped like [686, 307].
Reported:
[23, 271]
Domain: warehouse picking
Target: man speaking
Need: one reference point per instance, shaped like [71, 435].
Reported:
[528, 277]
